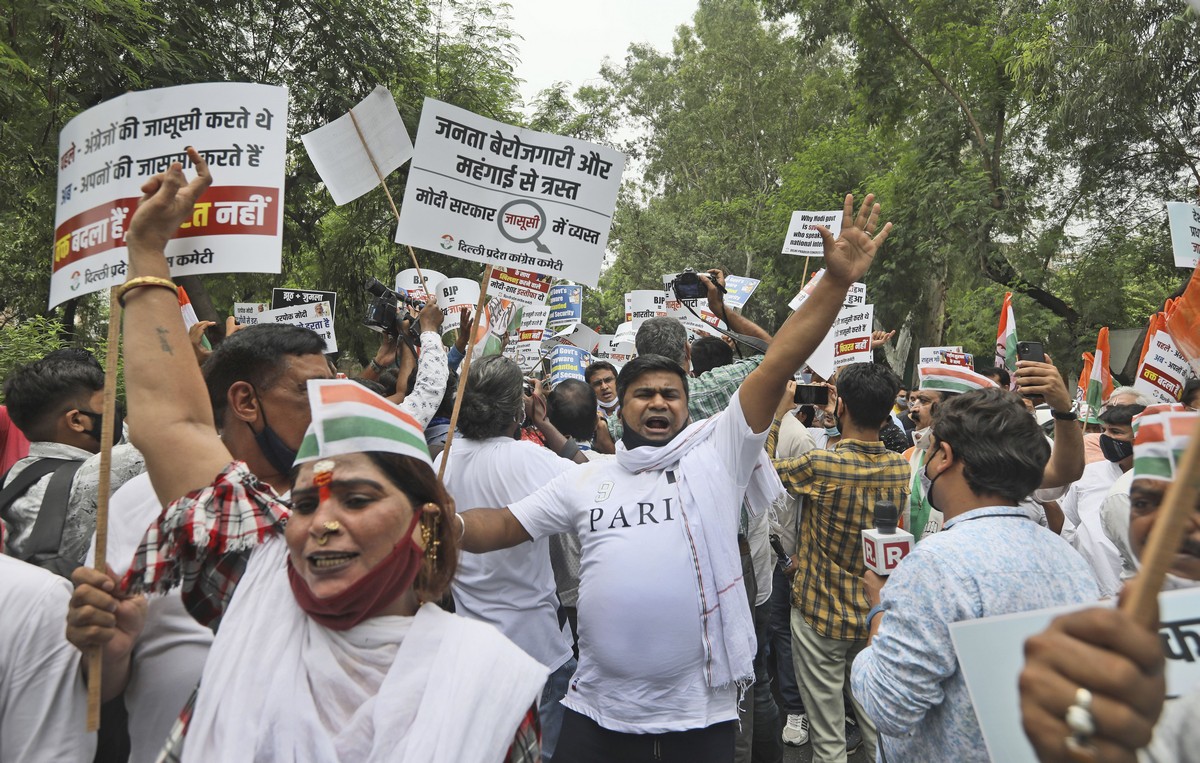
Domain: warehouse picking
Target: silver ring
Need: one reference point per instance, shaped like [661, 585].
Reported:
[1083, 698]
[1080, 722]
[1082, 725]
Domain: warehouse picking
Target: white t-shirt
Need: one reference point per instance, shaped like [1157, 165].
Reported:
[641, 659]
[43, 702]
[168, 657]
[1081, 508]
[513, 589]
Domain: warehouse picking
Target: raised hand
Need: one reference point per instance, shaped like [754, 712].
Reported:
[166, 204]
[848, 257]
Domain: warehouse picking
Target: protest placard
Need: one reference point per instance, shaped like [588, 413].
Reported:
[317, 316]
[955, 358]
[802, 237]
[628, 307]
[568, 362]
[1164, 370]
[408, 282]
[340, 156]
[108, 152]
[614, 351]
[288, 297]
[626, 332]
[848, 341]
[453, 294]
[738, 290]
[699, 324]
[247, 313]
[525, 344]
[566, 305]
[856, 295]
[522, 286]
[579, 335]
[991, 655]
[1184, 220]
[929, 355]
[646, 303]
[486, 191]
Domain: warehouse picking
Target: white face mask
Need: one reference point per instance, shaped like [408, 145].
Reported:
[922, 438]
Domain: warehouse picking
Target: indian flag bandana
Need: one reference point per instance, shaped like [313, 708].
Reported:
[942, 377]
[1160, 436]
[349, 418]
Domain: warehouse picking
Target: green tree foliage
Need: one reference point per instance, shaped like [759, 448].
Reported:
[59, 58]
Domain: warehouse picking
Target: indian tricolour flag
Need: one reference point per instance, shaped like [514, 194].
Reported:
[189, 315]
[1006, 336]
[1100, 384]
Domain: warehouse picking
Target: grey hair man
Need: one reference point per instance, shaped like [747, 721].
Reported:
[513, 589]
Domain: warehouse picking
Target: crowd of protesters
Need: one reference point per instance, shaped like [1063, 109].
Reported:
[662, 562]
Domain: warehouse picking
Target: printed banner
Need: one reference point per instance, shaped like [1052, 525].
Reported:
[1185, 233]
[521, 286]
[1163, 371]
[614, 351]
[803, 239]
[738, 290]
[855, 296]
[108, 152]
[929, 355]
[566, 305]
[486, 191]
[247, 313]
[289, 297]
[568, 362]
[646, 303]
[991, 655]
[408, 282]
[317, 316]
[848, 341]
[340, 156]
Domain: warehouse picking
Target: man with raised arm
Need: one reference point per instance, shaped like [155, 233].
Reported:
[666, 638]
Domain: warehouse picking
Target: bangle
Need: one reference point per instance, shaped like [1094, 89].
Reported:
[376, 367]
[875, 610]
[140, 281]
[463, 523]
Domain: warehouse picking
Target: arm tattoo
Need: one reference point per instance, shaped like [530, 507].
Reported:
[162, 340]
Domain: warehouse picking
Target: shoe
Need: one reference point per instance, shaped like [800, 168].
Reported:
[795, 733]
[853, 736]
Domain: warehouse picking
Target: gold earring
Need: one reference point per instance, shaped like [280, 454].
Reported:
[431, 519]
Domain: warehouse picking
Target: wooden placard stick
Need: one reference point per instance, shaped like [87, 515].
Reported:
[362, 139]
[465, 368]
[112, 357]
[1166, 536]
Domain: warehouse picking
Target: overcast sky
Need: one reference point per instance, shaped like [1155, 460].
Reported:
[568, 39]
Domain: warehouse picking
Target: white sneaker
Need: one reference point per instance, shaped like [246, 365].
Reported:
[795, 733]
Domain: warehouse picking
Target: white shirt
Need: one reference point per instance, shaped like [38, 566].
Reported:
[43, 702]
[513, 589]
[1081, 508]
[168, 657]
[641, 658]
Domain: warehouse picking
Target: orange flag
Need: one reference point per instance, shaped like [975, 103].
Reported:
[1183, 321]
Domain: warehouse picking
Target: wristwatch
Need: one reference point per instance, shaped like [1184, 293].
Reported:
[1068, 415]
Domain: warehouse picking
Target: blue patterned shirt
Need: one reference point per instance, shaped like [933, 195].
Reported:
[990, 561]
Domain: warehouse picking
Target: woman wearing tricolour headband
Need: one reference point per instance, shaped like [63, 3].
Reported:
[329, 650]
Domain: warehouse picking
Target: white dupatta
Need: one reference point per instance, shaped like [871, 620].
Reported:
[456, 690]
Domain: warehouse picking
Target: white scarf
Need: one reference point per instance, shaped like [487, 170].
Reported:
[709, 506]
[455, 690]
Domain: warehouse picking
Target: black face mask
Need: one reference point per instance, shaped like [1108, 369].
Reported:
[98, 422]
[1115, 450]
[276, 451]
[634, 440]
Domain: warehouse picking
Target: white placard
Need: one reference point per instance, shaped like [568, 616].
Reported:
[991, 656]
[580, 336]
[856, 295]
[317, 316]
[247, 313]
[408, 281]
[646, 303]
[1164, 370]
[343, 161]
[614, 351]
[803, 239]
[486, 191]
[108, 152]
[453, 294]
[1184, 220]
[929, 355]
[626, 332]
[525, 346]
[848, 341]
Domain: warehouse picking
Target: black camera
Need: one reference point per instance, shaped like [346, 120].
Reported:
[384, 314]
[690, 285]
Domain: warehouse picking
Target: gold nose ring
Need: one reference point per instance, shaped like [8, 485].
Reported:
[332, 526]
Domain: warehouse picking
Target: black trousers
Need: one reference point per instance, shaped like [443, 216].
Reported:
[585, 741]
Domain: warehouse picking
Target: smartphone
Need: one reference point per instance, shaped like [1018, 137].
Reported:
[811, 394]
[1031, 351]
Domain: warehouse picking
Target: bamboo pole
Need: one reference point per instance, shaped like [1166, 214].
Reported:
[112, 358]
[465, 369]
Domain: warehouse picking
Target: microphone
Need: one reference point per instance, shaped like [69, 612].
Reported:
[884, 545]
